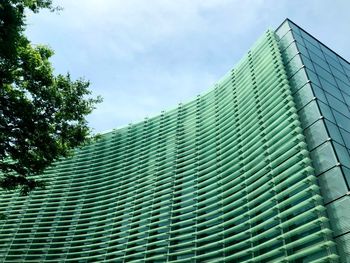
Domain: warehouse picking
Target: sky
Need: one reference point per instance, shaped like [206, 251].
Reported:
[145, 56]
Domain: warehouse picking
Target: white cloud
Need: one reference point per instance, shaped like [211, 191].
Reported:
[144, 56]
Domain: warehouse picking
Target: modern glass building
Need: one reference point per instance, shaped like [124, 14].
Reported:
[255, 170]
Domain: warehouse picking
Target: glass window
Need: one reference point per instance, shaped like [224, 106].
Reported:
[313, 77]
[311, 48]
[283, 29]
[328, 52]
[294, 28]
[287, 39]
[325, 74]
[316, 134]
[344, 87]
[346, 137]
[326, 111]
[323, 158]
[332, 184]
[310, 39]
[334, 63]
[339, 215]
[346, 172]
[321, 62]
[337, 104]
[302, 49]
[303, 96]
[309, 114]
[294, 65]
[334, 132]
[298, 38]
[307, 62]
[341, 120]
[298, 80]
[340, 75]
[330, 88]
[342, 153]
[291, 51]
[346, 98]
[344, 63]
[319, 93]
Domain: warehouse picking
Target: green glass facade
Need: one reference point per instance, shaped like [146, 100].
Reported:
[252, 171]
[322, 96]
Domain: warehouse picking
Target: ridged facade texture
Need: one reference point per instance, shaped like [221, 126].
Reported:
[227, 177]
[320, 82]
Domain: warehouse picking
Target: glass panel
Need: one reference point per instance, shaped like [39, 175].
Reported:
[330, 88]
[313, 77]
[307, 62]
[346, 137]
[339, 213]
[319, 93]
[298, 80]
[342, 153]
[332, 184]
[334, 132]
[334, 63]
[310, 39]
[298, 38]
[314, 49]
[283, 29]
[294, 65]
[287, 39]
[303, 50]
[343, 86]
[328, 52]
[325, 74]
[321, 62]
[294, 28]
[303, 96]
[347, 98]
[323, 158]
[341, 76]
[291, 51]
[326, 111]
[309, 114]
[341, 120]
[316, 134]
[342, 247]
[346, 172]
[337, 104]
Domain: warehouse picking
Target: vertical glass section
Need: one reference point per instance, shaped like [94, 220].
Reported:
[328, 138]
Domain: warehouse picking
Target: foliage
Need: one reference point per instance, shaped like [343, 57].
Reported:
[42, 115]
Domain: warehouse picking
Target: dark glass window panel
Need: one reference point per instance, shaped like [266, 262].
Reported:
[342, 120]
[302, 49]
[325, 74]
[343, 86]
[334, 132]
[313, 77]
[342, 153]
[319, 93]
[319, 61]
[346, 137]
[326, 111]
[337, 104]
[330, 88]
[309, 114]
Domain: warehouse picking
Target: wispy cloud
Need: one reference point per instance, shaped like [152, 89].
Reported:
[146, 56]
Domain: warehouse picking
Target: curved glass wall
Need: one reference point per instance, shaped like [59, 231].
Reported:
[224, 178]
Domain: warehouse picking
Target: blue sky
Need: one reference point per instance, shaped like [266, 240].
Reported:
[145, 56]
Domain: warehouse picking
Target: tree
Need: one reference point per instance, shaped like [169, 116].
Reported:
[42, 115]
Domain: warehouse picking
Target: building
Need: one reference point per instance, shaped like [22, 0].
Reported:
[255, 170]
